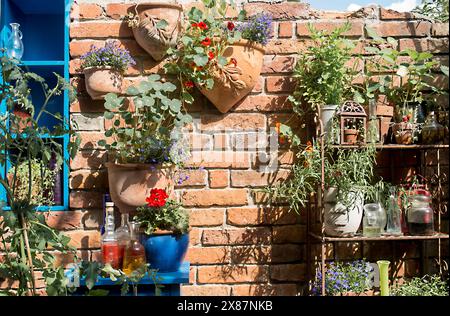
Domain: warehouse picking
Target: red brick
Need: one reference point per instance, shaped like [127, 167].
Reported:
[92, 219]
[289, 234]
[89, 140]
[288, 253]
[64, 220]
[87, 105]
[195, 236]
[218, 179]
[280, 84]
[236, 236]
[92, 159]
[232, 274]
[214, 197]
[288, 272]
[388, 14]
[245, 216]
[205, 290]
[206, 217]
[88, 179]
[258, 86]
[285, 29]
[85, 199]
[86, 11]
[243, 178]
[66, 260]
[398, 29]
[356, 28]
[232, 121]
[79, 48]
[100, 30]
[220, 141]
[84, 238]
[439, 29]
[219, 159]
[264, 103]
[348, 250]
[265, 290]
[278, 64]
[195, 178]
[250, 254]
[208, 255]
[435, 45]
[280, 11]
[287, 46]
[117, 10]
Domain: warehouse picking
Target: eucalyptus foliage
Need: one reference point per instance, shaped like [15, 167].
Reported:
[147, 133]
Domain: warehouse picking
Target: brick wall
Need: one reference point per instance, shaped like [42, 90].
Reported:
[239, 244]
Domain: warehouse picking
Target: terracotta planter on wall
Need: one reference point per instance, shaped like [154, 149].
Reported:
[153, 40]
[130, 184]
[234, 82]
[101, 81]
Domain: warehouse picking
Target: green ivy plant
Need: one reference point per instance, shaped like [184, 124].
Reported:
[149, 132]
[28, 244]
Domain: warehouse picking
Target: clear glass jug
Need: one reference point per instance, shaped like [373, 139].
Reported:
[420, 216]
[372, 221]
[14, 44]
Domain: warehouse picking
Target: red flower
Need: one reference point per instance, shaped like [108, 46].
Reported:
[230, 26]
[211, 55]
[157, 198]
[189, 84]
[194, 25]
[206, 41]
[202, 25]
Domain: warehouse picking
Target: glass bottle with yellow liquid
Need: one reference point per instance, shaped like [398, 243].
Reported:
[134, 254]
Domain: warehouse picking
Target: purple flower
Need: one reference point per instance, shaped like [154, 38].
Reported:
[257, 29]
[111, 55]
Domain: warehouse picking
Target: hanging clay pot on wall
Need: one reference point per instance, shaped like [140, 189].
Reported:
[101, 81]
[130, 184]
[234, 81]
[152, 39]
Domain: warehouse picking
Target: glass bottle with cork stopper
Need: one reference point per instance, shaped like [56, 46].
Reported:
[134, 254]
[110, 245]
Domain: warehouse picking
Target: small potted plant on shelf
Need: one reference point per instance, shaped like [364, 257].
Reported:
[345, 279]
[222, 59]
[166, 231]
[428, 285]
[146, 144]
[350, 132]
[156, 26]
[103, 69]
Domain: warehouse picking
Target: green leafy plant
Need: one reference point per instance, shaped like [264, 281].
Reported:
[152, 132]
[435, 9]
[428, 285]
[162, 214]
[28, 244]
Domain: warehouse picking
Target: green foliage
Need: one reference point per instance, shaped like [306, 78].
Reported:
[24, 235]
[42, 182]
[428, 285]
[147, 134]
[435, 9]
[321, 72]
[172, 216]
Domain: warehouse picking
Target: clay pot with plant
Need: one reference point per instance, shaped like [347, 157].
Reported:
[223, 60]
[103, 69]
[22, 118]
[145, 145]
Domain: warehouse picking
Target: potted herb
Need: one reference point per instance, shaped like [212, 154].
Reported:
[166, 227]
[351, 131]
[222, 59]
[145, 145]
[156, 26]
[103, 69]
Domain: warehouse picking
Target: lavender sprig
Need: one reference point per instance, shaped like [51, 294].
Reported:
[257, 29]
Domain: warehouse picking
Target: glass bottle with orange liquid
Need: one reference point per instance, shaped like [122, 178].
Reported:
[110, 245]
[134, 256]
[123, 235]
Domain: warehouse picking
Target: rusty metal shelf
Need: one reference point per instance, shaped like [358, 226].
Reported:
[393, 146]
[381, 238]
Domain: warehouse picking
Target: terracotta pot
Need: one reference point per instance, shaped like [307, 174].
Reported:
[403, 133]
[101, 81]
[130, 184]
[153, 40]
[23, 116]
[232, 83]
[350, 136]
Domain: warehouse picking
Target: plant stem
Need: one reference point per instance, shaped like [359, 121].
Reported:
[30, 259]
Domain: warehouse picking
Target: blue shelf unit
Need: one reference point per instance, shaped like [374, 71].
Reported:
[45, 28]
[171, 282]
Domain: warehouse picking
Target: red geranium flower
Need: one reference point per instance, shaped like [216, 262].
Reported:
[230, 26]
[189, 84]
[211, 55]
[202, 25]
[194, 25]
[206, 41]
[157, 198]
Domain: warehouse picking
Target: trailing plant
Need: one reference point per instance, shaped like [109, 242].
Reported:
[342, 278]
[152, 132]
[428, 285]
[162, 213]
[27, 242]
[42, 181]
[257, 29]
[435, 9]
[109, 56]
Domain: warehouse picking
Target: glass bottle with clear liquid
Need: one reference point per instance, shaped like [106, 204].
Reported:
[373, 130]
[110, 245]
[134, 255]
[394, 216]
[14, 45]
[123, 235]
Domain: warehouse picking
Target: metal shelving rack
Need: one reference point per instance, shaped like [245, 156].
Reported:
[319, 206]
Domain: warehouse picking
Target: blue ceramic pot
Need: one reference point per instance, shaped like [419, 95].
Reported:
[165, 252]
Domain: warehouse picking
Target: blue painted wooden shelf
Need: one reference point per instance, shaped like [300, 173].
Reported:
[170, 281]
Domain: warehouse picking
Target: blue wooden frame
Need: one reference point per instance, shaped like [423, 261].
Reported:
[46, 50]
